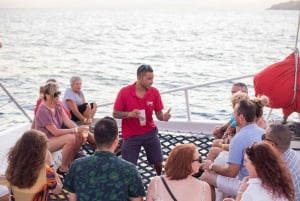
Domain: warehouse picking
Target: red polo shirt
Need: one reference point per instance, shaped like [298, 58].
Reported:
[127, 100]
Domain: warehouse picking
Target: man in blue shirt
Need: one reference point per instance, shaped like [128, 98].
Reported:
[104, 176]
[227, 178]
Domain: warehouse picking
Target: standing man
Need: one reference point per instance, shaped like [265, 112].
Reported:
[104, 176]
[227, 178]
[135, 104]
[280, 137]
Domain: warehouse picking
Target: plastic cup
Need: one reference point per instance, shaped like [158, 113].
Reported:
[85, 133]
[142, 118]
[228, 199]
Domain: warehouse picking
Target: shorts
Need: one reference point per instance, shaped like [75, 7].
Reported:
[228, 185]
[81, 109]
[131, 147]
[3, 190]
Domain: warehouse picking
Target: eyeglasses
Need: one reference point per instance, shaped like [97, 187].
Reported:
[144, 68]
[263, 137]
[56, 94]
[199, 160]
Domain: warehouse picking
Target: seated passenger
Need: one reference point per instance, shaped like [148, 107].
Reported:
[279, 137]
[219, 131]
[227, 178]
[269, 178]
[184, 161]
[103, 176]
[28, 174]
[260, 102]
[81, 111]
[40, 100]
[62, 133]
[223, 143]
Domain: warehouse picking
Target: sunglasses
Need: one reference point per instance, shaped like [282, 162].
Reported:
[56, 94]
[263, 137]
[144, 68]
[199, 160]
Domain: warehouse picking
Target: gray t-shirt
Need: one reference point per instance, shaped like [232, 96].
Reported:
[78, 98]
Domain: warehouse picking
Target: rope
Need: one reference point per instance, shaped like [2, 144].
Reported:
[297, 32]
[296, 55]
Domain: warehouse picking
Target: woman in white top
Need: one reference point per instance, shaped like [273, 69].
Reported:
[184, 161]
[269, 178]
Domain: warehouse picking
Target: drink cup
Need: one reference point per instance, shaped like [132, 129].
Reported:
[142, 118]
[228, 199]
[85, 133]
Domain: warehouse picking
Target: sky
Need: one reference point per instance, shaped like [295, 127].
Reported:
[201, 4]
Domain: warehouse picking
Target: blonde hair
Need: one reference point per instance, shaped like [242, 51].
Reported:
[238, 96]
[50, 89]
[42, 87]
[260, 102]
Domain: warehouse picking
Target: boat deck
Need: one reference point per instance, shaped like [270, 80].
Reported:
[170, 134]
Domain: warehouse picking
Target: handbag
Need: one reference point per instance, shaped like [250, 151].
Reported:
[168, 189]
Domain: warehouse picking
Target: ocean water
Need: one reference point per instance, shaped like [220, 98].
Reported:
[105, 47]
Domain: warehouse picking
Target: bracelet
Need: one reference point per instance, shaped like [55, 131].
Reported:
[220, 144]
[240, 192]
[211, 166]
[76, 130]
[223, 146]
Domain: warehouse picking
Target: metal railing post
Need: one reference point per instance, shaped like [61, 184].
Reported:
[187, 104]
[17, 104]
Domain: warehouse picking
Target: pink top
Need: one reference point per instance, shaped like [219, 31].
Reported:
[39, 101]
[45, 117]
[127, 100]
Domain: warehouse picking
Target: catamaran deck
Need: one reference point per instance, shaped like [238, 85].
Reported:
[170, 133]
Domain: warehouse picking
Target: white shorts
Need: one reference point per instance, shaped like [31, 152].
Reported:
[222, 158]
[3, 191]
[228, 185]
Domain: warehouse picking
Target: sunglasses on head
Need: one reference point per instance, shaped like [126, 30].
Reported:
[56, 94]
[144, 68]
[198, 159]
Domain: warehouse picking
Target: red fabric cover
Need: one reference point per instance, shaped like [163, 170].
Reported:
[277, 82]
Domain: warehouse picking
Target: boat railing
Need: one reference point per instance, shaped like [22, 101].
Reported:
[14, 100]
[186, 89]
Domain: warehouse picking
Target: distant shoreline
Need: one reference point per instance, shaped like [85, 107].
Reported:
[290, 5]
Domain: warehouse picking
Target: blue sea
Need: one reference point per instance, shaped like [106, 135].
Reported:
[105, 47]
